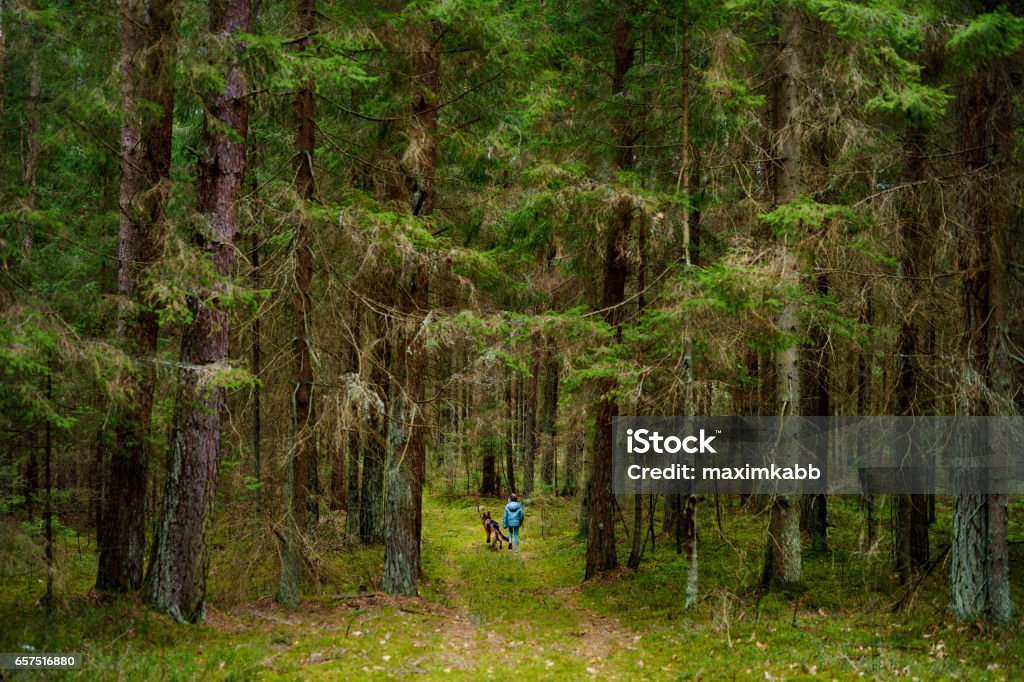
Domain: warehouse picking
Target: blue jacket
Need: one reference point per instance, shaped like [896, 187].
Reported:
[513, 516]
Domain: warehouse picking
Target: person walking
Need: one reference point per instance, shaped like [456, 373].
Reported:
[512, 519]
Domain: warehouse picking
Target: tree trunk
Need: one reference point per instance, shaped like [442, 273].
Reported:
[353, 438]
[814, 512]
[687, 524]
[573, 464]
[371, 498]
[346, 449]
[256, 354]
[510, 470]
[911, 510]
[353, 453]
[979, 585]
[532, 435]
[406, 445]
[638, 524]
[636, 548]
[302, 485]
[48, 500]
[782, 556]
[338, 499]
[550, 413]
[148, 54]
[601, 553]
[489, 475]
[176, 583]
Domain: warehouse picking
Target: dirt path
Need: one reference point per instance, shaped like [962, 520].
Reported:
[482, 614]
[520, 607]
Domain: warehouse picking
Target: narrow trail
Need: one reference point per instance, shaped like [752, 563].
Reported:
[523, 608]
[481, 614]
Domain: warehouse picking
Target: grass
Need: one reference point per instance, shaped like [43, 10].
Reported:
[485, 614]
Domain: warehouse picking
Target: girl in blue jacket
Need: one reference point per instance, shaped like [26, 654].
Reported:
[512, 519]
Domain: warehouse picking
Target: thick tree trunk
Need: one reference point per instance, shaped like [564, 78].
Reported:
[601, 552]
[406, 444]
[405, 461]
[979, 585]
[148, 53]
[782, 556]
[176, 582]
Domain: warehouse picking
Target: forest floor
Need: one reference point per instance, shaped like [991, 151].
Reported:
[485, 614]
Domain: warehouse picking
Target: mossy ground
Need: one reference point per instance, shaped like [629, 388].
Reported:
[484, 614]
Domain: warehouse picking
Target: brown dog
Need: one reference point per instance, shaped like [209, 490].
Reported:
[492, 529]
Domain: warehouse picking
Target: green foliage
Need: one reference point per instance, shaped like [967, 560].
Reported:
[915, 103]
[874, 21]
[804, 213]
[987, 36]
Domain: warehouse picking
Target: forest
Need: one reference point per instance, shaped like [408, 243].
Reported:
[295, 295]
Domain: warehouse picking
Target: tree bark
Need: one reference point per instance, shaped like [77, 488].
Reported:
[406, 445]
[636, 548]
[148, 55]
[489, 475]
[353, 440]
[371, 496]
[256, 356]
[548, 419]
[782, 556]
[979, 585]
[911, 510]
[531, 433]
[302, 484]
[176, 583]
[510, 470]
[601, 552]
[814, 512]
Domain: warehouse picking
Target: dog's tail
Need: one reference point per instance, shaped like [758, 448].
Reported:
[501, 535]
